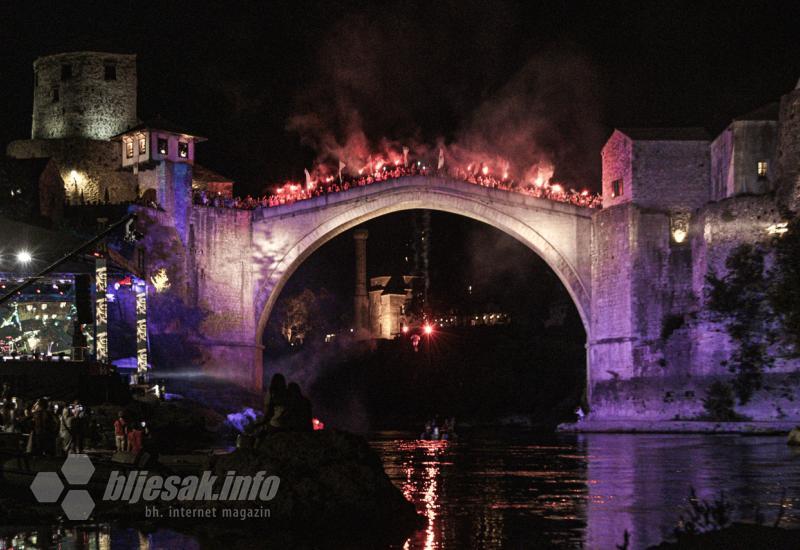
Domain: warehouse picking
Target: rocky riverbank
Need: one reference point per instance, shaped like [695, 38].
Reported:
[776, 427]
[331, 485]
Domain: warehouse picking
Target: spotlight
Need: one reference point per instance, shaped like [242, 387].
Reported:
[428, 329]
[24, 257]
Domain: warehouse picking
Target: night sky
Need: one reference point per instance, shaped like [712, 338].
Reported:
[239, 72]
[271, 84]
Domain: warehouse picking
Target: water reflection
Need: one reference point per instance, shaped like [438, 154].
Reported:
[96, 537]
[640, 483]
[515, 490]
[522, 490]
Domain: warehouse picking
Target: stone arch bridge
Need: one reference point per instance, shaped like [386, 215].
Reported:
[236, 262]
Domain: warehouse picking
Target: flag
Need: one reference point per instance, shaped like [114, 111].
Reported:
[341, 166]
[405, 157]
[309, 183]
[441, 158]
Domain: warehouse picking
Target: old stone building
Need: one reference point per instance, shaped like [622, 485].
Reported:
[83, 102]
[675, 205]
[389, 298]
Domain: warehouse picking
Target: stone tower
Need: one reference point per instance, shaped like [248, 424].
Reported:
[89, 95]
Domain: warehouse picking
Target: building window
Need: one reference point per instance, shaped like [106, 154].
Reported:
[129, 148]
[66, 71]
[616, 188]
[110, 71]
[142, 145]
[762, 169]
[56, 96]
[163, 146]
[183, 149]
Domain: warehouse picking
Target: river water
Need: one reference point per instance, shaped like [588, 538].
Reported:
[526, 490]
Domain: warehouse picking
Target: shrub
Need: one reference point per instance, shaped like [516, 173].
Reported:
[719, 402]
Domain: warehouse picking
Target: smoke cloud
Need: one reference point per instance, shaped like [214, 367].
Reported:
[389, 81]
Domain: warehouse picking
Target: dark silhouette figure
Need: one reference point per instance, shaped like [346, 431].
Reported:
[275, 402]
[299, 409]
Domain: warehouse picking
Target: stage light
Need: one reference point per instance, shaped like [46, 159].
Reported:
[405, 329]
[428, 329]
[24, 257]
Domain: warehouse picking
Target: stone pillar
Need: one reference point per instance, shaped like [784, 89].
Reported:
[361, 300]
[788, 191]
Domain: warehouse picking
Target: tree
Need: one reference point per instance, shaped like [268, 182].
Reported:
[299, 313]
[740, 300]
[785, 291]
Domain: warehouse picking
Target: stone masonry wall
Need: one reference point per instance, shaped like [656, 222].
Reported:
[671, 175]
[789, 152]
[670, 372]
[89, 168]
[83, 104]
[616, 156]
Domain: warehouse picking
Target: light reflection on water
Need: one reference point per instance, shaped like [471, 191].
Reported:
[522, 490]
[532, 491]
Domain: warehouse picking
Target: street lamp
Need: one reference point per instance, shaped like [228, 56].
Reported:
[24, 257]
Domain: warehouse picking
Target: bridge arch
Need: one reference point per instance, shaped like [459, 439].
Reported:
[283, 237]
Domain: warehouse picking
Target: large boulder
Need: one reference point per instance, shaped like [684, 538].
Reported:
[329, 481]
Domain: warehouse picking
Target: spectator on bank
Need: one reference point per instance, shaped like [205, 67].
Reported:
[121, 433]
[5, 393]
[136, 434]
[78, 427]
[275, 403]
[44, 428]
[64, 432]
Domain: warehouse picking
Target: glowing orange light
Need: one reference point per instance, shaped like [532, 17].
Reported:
[428, 329]
[404, 329]
[505, 175]
[557, 188]
[485, 170]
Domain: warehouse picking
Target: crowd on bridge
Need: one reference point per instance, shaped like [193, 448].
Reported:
[295, 192]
